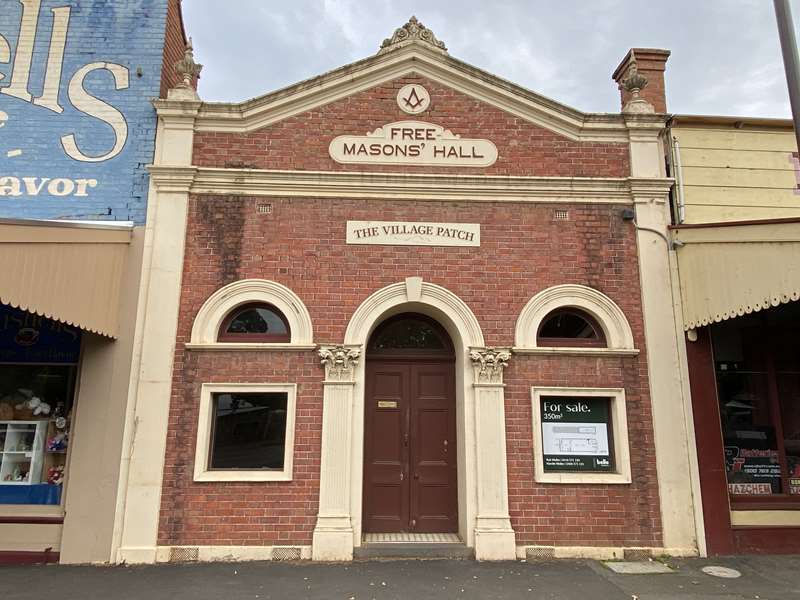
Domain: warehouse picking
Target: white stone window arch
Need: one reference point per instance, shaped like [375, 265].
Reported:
[248, 291]
[615, 326]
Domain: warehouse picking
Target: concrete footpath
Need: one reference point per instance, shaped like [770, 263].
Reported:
[762, 578]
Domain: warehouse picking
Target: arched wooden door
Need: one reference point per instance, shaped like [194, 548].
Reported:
[410, 458]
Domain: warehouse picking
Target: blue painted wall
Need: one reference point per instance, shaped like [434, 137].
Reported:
[111, 70]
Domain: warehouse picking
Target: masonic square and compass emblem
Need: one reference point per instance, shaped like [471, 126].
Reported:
[413, 99]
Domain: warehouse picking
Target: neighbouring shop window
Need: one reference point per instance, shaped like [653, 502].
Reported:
[38, 370]
[255, 323]
[249, 431]
[757, 362]
[570, 327]
[245, 432]
[576, 434]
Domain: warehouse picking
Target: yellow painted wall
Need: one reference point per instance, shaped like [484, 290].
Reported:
[737, 174]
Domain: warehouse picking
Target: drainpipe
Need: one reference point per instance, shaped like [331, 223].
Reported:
[676, 149]
[791, 63]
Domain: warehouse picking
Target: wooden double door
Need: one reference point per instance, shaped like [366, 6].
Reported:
[410, 457]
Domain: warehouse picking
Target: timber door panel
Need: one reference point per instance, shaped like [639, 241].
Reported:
[386, 498]
[410, 477]
[434, 498]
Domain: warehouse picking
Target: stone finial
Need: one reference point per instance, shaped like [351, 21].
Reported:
[634, 83]
[489, 364]
[187, 68]
[412, 31]
[339, 362]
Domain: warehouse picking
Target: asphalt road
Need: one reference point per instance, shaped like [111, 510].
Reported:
[763, 578]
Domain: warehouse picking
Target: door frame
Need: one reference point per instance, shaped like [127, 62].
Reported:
[414, 295]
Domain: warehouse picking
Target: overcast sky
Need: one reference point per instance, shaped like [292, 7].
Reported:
[725, 59]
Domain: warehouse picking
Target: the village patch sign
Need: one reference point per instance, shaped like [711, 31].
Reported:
[413, 143]
[413, 233]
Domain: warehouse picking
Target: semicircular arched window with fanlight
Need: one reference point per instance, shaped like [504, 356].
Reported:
[256, 323]
[570, 327]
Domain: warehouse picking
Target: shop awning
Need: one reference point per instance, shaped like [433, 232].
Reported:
[65, 270]
[730, 269]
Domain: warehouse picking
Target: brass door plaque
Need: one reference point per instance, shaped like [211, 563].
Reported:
[387, 403]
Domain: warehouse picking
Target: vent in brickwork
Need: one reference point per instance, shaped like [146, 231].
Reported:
[286, 553]
[561, 215]
[540, 553]
[637, 553]
[264, 209]
[183, 554]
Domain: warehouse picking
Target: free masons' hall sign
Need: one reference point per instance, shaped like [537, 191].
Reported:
[413, 142]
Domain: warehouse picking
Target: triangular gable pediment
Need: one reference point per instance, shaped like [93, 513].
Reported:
[412, 58]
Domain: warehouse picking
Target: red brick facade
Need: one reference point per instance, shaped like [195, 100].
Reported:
[301, 142]
[301, 244]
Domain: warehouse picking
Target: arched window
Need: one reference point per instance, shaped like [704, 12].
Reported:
[256, 322]
[570, 327]
[410, 333]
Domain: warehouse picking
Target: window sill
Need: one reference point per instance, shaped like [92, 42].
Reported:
[576, 351]
[584, 478]
[250, 347]
[31, 511]
[777, 502]
[243, 476]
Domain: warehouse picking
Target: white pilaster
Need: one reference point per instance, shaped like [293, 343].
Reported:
[333, 534]
[494, 537]
[147, 421]
[669, 393]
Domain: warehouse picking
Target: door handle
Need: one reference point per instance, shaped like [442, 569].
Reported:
[402, 476]
[416, 475]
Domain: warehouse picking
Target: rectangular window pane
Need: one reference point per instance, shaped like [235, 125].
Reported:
[249, 430]
[748, 429]
[789, 394]
[576, 434]
[35, 409]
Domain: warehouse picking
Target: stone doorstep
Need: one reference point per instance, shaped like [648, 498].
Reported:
[409, 545]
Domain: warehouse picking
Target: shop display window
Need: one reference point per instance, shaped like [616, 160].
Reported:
[757, 362]
[38, 372]
[255, 323]
[570, 327]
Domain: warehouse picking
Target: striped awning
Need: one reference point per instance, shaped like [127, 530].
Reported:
[65, 270]
[730, 269]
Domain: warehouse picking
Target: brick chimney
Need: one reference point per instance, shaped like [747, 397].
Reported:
[651, 63]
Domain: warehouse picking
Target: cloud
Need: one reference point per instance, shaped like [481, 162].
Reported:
[725, 55]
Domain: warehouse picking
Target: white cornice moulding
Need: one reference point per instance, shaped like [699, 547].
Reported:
[414, 59]
[410, 186]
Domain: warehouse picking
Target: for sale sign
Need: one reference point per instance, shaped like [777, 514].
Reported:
[576, 434]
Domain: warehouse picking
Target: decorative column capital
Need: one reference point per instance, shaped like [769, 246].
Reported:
[339, 362]
[488, 364]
